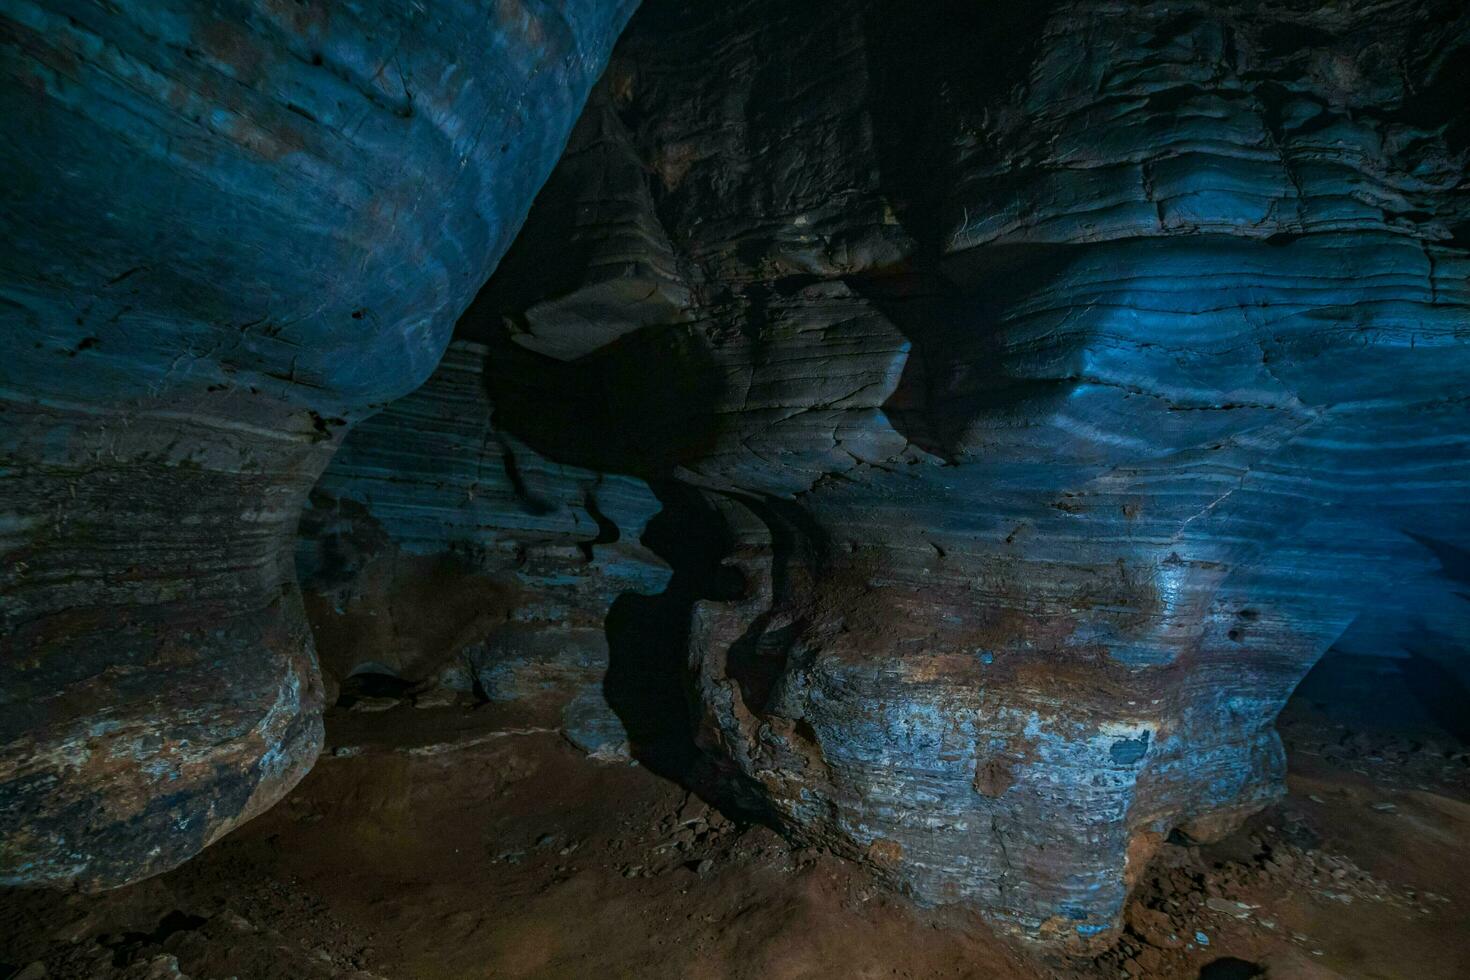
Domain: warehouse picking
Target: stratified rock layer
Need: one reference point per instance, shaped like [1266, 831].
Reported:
[1066, 382]
[441, 550]
[232, 229]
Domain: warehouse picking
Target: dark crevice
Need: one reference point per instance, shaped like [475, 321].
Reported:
[1230, 968]
[648, 636]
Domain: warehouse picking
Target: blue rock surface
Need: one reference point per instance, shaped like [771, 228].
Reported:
[446, 551]
[1065, 380]
[233, 229]
[999, 408]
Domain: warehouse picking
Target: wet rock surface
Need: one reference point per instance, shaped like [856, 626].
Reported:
[233, 230]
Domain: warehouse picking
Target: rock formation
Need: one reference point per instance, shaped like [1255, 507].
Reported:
[1063, 384]
[233, 230]
[443, 552]
[979, 416]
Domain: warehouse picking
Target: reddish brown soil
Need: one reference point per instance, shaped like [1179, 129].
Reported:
[438, 843]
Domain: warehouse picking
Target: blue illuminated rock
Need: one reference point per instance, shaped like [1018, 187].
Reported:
[446, 551]
[232, 230]
[1065, 380]
[1032, 393]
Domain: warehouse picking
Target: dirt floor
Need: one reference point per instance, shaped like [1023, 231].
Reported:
[439, 843]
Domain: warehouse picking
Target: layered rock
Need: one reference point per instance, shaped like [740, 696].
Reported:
[445, 552]
[1065, 383]
[233, 229]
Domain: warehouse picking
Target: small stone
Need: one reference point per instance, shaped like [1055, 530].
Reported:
[694, 810]
[704, 867]
[1154, 926]
[1385, 807]
[161, 967]
[1237, 909]
[31, 971]
[374, 704]
[436, 697]
[331, 688]
[235, 921]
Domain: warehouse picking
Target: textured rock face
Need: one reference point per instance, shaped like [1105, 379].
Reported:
[1065, 383]
[438, 548]
[233, 229]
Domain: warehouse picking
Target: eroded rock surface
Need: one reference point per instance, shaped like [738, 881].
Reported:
[1065, 382]
[233, 229]
[441, 550]
[1011, 404]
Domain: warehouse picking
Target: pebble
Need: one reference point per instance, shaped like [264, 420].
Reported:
[1237, 909]
[235, 921]
[374, 704]
[436, 697]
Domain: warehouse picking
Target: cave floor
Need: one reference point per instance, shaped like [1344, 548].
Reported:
[443, 842]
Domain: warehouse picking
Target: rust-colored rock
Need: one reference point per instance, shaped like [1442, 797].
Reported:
[231, 231]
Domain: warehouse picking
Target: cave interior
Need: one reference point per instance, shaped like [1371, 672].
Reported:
[566, 488]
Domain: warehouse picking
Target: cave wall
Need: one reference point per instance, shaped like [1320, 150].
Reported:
[234, 229]
[1062, 383]
[449, 555]
[981, 416]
